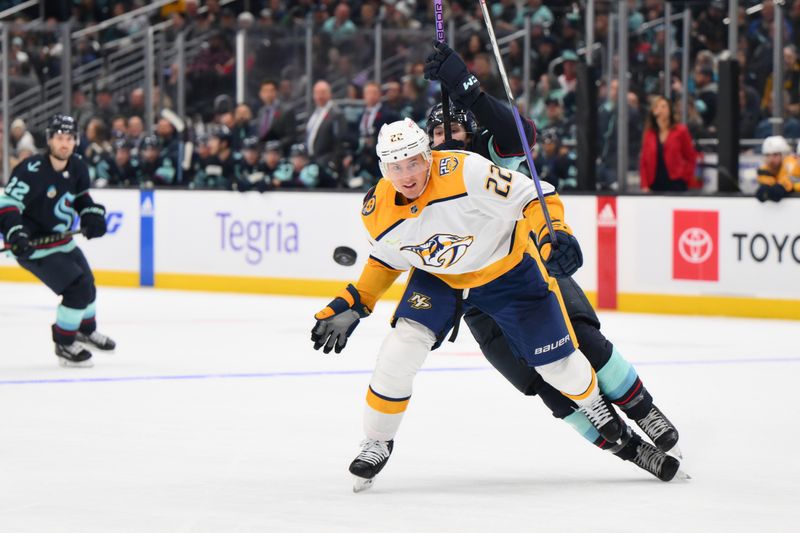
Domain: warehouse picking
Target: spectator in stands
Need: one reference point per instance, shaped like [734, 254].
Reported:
[127, 168]
[374, 116]
[274, 120]
[223, 166]
[779, 176]
[98, 155]
[81, 108]
[607, 178]
[154, 168]
[251, 177]
[272, 159]
[706, 93]
[554, 165]
[119, 127]
[302, 173]
[668, 159]
[711, 31]
[538, 12]
[105, 108]
[483, 69]
[135, 133]
[242, 125]
[504, 13]
[340, 27]
[169, 142]
[414, 93]
[325, 128]
[20, 140]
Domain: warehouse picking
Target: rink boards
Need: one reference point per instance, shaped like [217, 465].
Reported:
[721, 256]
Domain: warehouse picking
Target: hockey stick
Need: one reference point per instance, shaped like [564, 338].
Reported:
[438, 17]
[522, 137]
[49, 239]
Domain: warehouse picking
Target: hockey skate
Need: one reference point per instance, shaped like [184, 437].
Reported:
[604, 419]
[367, 464]
[660, 430]
[74, 355]
[648, 457]
[97, 340]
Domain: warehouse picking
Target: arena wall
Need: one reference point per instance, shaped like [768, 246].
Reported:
[686, 255]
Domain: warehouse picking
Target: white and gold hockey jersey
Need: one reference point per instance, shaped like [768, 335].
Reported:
[469, 226]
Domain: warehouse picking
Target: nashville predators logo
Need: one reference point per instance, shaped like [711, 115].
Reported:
[442, 250]
[447, 165]
[419, 301]
[369, 206]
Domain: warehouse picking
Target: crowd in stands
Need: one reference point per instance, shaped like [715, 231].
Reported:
[271, 141]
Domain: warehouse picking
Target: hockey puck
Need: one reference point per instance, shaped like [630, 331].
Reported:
[345, 256]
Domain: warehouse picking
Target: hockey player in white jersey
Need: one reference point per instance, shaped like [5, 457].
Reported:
[461, 225]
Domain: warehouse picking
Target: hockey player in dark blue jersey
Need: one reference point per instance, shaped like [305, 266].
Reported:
[496, 139]
[43, 196]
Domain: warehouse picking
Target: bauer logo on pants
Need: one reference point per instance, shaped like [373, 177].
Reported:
[695, 245]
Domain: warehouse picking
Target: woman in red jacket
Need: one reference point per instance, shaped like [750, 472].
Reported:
[668, 159]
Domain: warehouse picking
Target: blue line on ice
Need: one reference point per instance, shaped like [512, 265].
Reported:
[257, 375]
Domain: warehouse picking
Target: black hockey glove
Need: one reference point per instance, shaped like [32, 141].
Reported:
[776, 193]
[337, 321]
[19, 241]
[565, 259]
[447, 66]
[93, 221]
[762, 193]
[452, 144]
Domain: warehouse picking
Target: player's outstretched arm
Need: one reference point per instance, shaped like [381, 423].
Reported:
[337, 321]
[445, 65]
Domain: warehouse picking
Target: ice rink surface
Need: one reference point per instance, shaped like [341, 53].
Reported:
[215, 415]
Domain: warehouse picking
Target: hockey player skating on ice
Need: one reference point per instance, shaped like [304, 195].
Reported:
[461, 224]
[618, 380]
[43, 196]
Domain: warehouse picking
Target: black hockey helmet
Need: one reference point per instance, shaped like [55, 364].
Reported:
[223, 133]
[61, 123]
[121, 143]
[298, 149]
[457, 114]
[151, 141]
[250, 143]
[273, 146]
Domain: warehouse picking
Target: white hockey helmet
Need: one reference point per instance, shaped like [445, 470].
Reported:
[775, 144]
[400, 140]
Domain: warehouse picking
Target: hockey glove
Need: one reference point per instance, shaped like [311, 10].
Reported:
[452, 144]
[19, 241]
[93, 221]
[776, 193]
[447, 66]
[337, 321]
[565, 259]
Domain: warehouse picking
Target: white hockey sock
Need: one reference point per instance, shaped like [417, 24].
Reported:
[573, 376]
[402, 354]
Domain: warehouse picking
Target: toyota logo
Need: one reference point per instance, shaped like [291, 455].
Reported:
[695, 245]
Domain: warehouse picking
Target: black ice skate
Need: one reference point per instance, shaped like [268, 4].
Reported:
[74, 355]
[658, 463]
[373, 457]
[604, 419]
[660, 430]
[98, 340]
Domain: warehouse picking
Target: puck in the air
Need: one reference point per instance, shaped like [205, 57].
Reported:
[345, 256]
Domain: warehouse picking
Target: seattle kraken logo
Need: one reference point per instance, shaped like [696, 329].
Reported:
[64, 212]
[442, 250]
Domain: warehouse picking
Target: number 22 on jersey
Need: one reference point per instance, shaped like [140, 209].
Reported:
[499, 180]
[17, 189]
